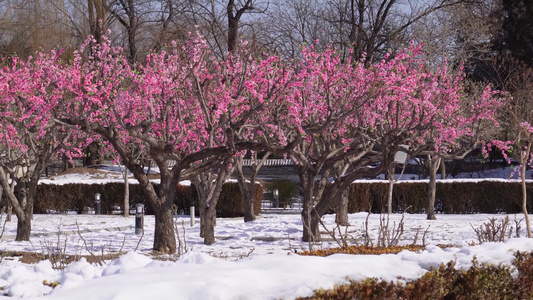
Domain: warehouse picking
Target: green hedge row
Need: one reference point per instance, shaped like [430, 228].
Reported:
[451, 197]
[80, 198]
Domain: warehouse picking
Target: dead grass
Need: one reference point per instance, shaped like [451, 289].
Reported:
[34, 257]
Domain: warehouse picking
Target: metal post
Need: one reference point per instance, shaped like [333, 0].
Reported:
[139, 218]
[97, 204]
[192, 216]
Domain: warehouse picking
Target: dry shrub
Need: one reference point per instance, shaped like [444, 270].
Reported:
[362, 250]
[495, 230]
[481, 281]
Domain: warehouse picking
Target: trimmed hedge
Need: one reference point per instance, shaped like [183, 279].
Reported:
[80, 198]
[451, 197]
[229, 203]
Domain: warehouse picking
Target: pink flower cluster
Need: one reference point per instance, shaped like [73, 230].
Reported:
[183, 100]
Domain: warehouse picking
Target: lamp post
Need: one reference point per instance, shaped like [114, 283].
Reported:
[97, 204]
[139, 218]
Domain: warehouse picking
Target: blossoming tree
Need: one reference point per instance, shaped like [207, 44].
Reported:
[128, 107]
[30, 134]
[344, 113]
[184, 107]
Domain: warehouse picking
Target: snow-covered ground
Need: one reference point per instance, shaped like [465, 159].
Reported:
[254, 260]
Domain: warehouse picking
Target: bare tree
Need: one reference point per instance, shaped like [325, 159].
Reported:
[287, 25]
[97, 16]
[375, 27]
[27, 26]
[234, 15]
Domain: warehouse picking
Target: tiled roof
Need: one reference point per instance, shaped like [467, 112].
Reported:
[270, 162]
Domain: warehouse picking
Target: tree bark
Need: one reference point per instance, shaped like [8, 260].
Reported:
[96, 11]
[9, 209]
[524, 160]
[208, 225]
[209, 188]
[247, 191]
[126, 212]
[433, 164]
[248, 204]
[9, 212]
[234, 16]
[390, 177]
[311, 221]
[164, 239]
[23, 199]
[341, 213]
[23, 228]
[248, 188]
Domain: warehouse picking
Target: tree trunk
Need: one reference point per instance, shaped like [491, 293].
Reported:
[21, 203]
[524, 160]
[23, 228]
[390, 177]
[311, 221]
[433, 164]
[131, 30]
[341, 214]
[126, 212]
[389, 196]
[248, 188]
[233, 26]
[162, 204]
[307, 182]
[248, 203]
[208, 226]
[6, 204]
[209, 190]
[164, 239]
[9, 209]
[233, 22]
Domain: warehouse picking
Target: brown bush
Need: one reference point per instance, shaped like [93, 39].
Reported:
[445, 282]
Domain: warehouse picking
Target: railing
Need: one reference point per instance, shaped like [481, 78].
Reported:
[293, 204]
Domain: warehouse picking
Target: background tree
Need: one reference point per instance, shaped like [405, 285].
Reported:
[28, 26]
[287, 25]
[507, 66]
[97, 18]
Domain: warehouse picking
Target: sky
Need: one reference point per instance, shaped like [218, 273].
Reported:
[253, 260]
